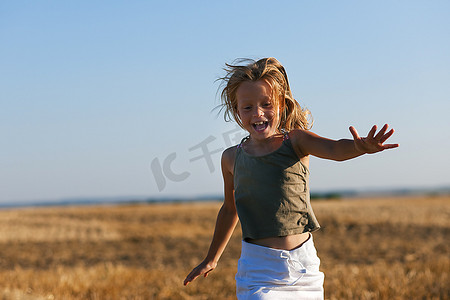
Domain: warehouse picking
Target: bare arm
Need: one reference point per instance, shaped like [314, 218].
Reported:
[225, 224]
[343, 149]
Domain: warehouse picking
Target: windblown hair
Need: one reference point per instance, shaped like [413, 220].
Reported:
[292, 115]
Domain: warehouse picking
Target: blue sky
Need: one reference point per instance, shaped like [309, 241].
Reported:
[116, 98]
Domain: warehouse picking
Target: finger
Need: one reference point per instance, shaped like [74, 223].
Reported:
[189, 279]
[390, 146]
[185, 282]
[354, 133]
[207, 272]
[372, 132]
[382, 131]
[191, 276]
[386, 136]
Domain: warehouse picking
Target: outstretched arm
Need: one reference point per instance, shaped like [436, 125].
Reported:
[343, 149]
[225, 224]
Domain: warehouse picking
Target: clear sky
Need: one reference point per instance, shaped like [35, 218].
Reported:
[116, 98]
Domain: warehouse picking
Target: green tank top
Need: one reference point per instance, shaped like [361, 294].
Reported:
[272, 193]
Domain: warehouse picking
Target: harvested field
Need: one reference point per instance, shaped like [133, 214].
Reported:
[384, 248]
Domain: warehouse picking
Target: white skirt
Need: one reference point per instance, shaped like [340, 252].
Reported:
[267, 273]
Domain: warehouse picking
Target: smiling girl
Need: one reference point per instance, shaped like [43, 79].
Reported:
[266, 185]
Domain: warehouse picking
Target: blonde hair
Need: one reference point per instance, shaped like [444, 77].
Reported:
[292, 116]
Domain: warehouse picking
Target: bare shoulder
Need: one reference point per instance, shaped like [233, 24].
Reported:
[299, 134]
[299, 139]
[228, 158]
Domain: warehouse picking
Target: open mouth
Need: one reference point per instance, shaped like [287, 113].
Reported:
[260, 126]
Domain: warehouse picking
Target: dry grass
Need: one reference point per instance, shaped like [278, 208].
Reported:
[395, 248]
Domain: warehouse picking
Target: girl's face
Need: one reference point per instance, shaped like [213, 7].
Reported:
[257, 110]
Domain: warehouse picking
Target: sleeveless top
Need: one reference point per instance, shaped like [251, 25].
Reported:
[272, 193]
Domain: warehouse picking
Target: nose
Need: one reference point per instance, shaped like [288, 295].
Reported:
[259, 111]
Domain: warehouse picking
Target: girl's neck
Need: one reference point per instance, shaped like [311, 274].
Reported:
[263, 146]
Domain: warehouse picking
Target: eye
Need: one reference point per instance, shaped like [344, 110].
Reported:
[267, 104]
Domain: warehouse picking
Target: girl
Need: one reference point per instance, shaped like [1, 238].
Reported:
[266, 185]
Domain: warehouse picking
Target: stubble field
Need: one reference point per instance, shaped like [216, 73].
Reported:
[387, 248]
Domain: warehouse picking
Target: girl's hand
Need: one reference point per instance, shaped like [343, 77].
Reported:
[373, 143]
[202, 269]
